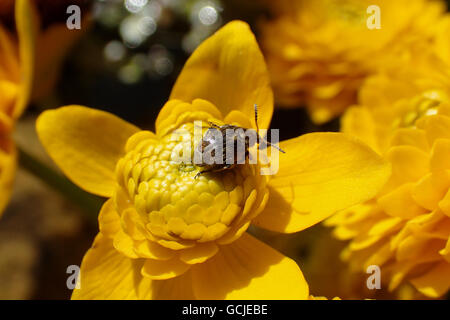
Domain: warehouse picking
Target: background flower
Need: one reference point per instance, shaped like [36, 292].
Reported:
[32, 48]
[320, 52]
[16, 72]
[405, 229]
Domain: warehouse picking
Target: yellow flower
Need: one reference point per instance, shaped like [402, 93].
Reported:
[16, 72]
[166, 235]
[319, 52]
[398, 94]
[406, 228]
[441, 44]
[21, 79]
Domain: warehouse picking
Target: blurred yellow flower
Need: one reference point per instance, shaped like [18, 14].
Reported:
[164, 234]
[396, 97]
[441, 45]
[16, 73]
[319, 52]
[406, 229]
[30, 60]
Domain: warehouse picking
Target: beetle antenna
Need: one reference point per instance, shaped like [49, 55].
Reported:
[210, 124]
[256, 121]
[256, 116]
[257, 131]
[272, 145]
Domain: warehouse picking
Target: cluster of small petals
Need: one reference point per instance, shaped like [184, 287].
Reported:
[167, 214]
[406, 228]
[314, 61]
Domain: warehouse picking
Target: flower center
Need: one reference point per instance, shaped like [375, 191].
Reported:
[172, 203]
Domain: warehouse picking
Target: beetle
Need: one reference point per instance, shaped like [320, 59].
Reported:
[221, 134]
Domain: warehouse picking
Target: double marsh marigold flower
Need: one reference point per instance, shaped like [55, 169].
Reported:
[319, 52]
[16, 73]
[165, 234]
[405, 116]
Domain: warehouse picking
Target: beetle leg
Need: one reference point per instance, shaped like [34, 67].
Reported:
[198, 174]
[228, 166]
[202, 172]
[212, 124]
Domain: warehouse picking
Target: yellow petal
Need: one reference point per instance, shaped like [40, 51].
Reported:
[107, 274]
[410, 137]
[199, 254]
[248, 269]
[238, 118]
[440, 155]
[429, 191]
[435, 282]
[436, 126]
[178, 288]
[175, 109]
[26, 21]
[228, 69]
[380, 256]
[109, 220]
[400, 203]
[320, 174]
[8, 164]
[86, 144]
[152, 250]
[446, 251]
[163, 270]
[408, 164]
[444, 204]
[132, 224]
[357, 121]
[166, 111]
[374, 234]
[9, 95]
[124, 244]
